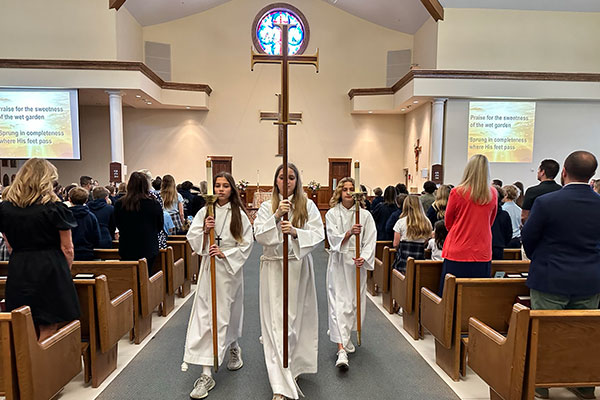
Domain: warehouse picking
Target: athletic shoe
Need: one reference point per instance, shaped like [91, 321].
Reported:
[350, 347]
[279, 397]
[235, 359]
[342, 359]
[202, 386]
[582, 393]
[542, 393]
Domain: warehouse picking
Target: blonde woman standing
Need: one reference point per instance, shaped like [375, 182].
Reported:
[411, 231]
[305, 230]
[37, 227]
[341, 268]
[470, 213]
[172, 202]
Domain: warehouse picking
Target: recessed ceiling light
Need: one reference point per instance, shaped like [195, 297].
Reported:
[149, 103]
[416, 102]
[370, 112]
[188, 107]
[403, 109]
[138, 96]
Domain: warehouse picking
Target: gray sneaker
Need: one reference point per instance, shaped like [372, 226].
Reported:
[350, 347]
[202, 386]
[235, 359]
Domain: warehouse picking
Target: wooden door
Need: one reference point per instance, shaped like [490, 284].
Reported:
[338, 168]
[221, 164]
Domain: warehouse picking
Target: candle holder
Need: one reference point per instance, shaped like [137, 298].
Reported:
[211, 199]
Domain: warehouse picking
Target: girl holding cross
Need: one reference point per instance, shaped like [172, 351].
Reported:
[305, 230]
[233, 245]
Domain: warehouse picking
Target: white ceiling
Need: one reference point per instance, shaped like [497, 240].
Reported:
[151, 12]
[544, 5]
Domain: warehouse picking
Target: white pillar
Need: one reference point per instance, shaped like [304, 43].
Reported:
[117, 152]
[437, 131]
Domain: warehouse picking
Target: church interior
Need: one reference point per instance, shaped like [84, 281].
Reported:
[410, 88]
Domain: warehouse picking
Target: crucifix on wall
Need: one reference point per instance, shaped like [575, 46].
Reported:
[418, 149]
[274, 116]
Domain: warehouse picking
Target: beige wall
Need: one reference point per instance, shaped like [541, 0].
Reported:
[130, 44]
[58, 29]
[510, 40]
[426, 45]
[417, 125]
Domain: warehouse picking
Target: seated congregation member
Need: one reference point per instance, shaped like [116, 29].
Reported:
[341, 268]
[501, 229]
[411, 231]
[378, 197]
[437, 210]
[382, 212]
[511, 193]
[428, 197]
[105, 213]
[546, 173]
[562, 239]
[470, 213]
[436, 243]
[86, 236]
[232, 227]
[389, 225]
[37, 227]
[139, 218]
[173, 202]
[305, 232]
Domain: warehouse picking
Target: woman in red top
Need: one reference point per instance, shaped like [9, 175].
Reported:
[470, 213]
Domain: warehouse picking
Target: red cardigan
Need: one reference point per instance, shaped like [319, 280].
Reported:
[469, 228]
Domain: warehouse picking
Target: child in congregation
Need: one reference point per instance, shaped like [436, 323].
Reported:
[86, 236]
[411, 231]
[233, 232]
[341, 268]
[436, 243]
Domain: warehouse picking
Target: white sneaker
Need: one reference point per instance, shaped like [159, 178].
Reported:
[202, 386]
[342, 359]
[235, 359]
[350, 347]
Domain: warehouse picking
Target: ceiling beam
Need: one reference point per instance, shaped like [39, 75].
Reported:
[116, 4]
[435, 9]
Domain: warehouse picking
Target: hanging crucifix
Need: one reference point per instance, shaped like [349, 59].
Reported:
[284, 120]
[275, 116]
[418, 150]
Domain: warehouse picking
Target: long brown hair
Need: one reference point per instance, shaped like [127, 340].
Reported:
[137, 190]
[337, 193]
[418, 225]
[168, 191]
[299, 202]
[236, 226]
[34, 183]
[441, 200]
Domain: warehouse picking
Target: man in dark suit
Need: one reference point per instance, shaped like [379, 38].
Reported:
[562, 239]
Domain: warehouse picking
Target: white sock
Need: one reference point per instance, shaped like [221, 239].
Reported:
[206, 370]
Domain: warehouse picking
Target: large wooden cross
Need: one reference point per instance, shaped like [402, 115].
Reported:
[275, 116]
[284, 120]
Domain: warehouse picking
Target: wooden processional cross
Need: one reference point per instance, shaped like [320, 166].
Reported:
[284, 120]
[276, 116]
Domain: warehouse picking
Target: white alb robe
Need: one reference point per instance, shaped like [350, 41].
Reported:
[302, 298]
[229, 283]
[341, 270]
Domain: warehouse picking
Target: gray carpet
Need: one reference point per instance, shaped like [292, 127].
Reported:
[384, 367]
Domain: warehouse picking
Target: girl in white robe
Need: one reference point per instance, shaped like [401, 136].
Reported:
[233, 228]
[341, 268]
[305, 230]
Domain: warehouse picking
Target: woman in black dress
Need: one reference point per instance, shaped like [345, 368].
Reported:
[139, 218]
[37, 227]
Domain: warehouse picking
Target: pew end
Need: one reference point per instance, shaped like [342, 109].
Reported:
[437, 312]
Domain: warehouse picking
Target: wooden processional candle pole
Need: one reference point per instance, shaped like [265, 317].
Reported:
[210, 208]
[357, 198]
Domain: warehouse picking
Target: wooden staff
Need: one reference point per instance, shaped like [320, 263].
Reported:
[210, 208]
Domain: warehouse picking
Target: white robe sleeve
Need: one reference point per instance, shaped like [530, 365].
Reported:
[195, 234]
[335, 232]
[369, 241]
[237, 256]
[266, 230]
[311, 234]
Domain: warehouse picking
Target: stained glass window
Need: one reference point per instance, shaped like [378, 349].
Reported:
[267, 36]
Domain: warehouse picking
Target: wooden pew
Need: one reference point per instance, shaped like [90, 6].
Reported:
[406, 288]
[512, 254]
[447, 318]
[174, 273]
[124, 275]
[103, 322]
[543, 348]
[383, 278]
[372, 287]
[30, 370]
[182, 249]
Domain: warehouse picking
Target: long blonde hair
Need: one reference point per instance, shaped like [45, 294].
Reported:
[34, 183]
[441, 200]
[418, 225]
[168, 191]
[299, 202]
[337, 193]
[474, 184]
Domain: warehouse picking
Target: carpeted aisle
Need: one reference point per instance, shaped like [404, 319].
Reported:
[385, 367]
